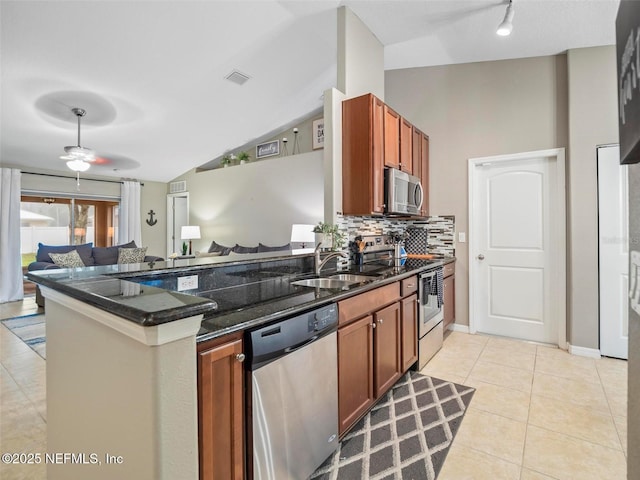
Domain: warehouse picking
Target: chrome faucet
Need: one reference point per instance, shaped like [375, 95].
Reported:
[319, 264]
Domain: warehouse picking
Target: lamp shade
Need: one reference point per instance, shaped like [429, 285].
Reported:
[302, 233]
[190, 232]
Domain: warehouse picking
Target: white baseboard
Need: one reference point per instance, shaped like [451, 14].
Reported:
[583, 351]
[454, 327]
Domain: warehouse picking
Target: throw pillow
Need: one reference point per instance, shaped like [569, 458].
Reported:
[131, 255]
[267, 248]
[67, 260]
[84, 251]
[109, 255]
[241, 249]
[216, 247]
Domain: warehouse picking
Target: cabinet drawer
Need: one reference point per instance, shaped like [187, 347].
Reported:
[409, 286]
[449, 269]
[360, 305]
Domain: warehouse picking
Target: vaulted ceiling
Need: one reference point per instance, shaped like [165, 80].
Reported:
[151, 74]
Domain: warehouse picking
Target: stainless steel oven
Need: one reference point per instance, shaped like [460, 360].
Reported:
[430, 328]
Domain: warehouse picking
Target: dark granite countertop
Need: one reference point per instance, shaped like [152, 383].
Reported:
[244, 293]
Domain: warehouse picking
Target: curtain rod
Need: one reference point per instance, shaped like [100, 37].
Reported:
[73, 178]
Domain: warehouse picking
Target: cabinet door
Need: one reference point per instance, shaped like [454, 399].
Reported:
[416, 152]
[377, 166]
[387, 367]
[406, 143]
[355, 371]
[409, 331]
[391, 138]
[424, 172]
[221, 406]
[449, 298]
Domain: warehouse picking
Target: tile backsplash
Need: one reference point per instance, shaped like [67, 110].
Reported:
[440, 230]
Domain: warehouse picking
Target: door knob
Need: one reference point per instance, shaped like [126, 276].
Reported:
[381, 320]
[373, 325]
[240, 357]
[481, 257]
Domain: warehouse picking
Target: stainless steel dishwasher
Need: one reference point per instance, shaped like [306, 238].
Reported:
[294, 394]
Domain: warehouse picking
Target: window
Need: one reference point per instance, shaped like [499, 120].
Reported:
[65, 221]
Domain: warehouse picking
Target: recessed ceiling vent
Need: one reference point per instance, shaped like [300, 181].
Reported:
[237, 77]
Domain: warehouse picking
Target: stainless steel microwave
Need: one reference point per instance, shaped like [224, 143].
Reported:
[403, 192]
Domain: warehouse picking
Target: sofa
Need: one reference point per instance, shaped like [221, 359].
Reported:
[216, 249]
[62, 256]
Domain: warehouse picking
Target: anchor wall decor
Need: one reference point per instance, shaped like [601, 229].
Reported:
[151, 221]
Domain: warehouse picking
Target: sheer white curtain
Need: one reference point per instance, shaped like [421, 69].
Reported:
[10, 258]
[129, 223]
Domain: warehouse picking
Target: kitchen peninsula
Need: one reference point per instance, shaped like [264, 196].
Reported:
[122, 343]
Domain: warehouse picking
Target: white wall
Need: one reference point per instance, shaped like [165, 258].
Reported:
[360, 57]
[256, 202]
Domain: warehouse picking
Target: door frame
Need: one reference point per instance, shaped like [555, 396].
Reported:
[170, 216]
[559, 254]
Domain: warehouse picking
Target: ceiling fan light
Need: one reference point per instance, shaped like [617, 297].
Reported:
[506, 26]
[78, 165]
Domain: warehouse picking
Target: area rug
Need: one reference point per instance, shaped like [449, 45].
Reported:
[405, 436]
[31, 330]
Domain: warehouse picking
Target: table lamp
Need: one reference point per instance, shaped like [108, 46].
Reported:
[190, 232]
[302, 233]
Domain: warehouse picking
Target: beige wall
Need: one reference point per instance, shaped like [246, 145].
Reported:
[593, 121]
[476, 110]
[153, 196]
[256, 202]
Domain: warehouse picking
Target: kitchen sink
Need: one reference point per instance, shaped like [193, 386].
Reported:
[350, 277]
[324, 283]
[339, 280]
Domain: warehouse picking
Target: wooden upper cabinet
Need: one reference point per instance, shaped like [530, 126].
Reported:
[391, 138]
[363, 152]
[420, 158]
[406, 146]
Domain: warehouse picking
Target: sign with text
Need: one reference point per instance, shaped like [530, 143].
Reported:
[628, 58]
[268, 149]
[318, 133]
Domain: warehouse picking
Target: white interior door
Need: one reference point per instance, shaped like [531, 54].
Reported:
[517, 211]
[613, 225]
[177, 217]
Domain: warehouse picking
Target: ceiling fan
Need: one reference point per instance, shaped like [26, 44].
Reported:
[78, 157]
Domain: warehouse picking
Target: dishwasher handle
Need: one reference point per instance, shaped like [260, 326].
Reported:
[300, 345]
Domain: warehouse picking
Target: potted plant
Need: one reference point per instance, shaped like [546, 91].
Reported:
[225, 161]
[329, 235]
[243, 157]
[184, 248]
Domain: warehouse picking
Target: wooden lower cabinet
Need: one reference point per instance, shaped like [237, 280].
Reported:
[369, 350]
[221, 410]
[409, 331]
[387, 345]
[355, 371]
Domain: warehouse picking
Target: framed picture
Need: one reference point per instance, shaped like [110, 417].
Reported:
[268, 149]
[318, 133]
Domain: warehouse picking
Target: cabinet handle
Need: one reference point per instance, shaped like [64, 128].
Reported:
[411, 285]
[240, 357]
[381, 320]
[373, 325]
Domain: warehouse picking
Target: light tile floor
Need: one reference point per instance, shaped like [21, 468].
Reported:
[538, 413]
